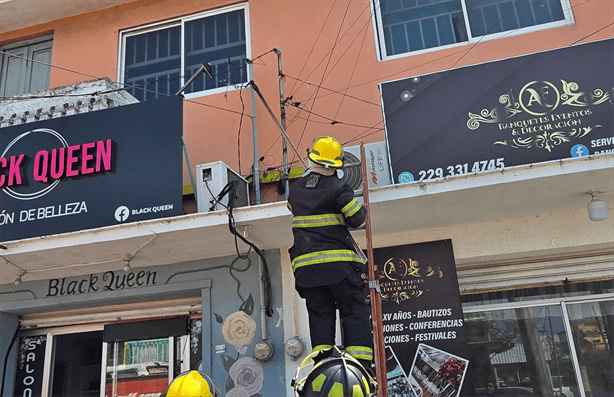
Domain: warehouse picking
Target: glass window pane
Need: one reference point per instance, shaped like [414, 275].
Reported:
[151, 58]
[444, 27]
[492, 16]
[429, 23]
[399, 39]
[225, 49]
[520, 352]
[76, 365]
[592, 327]
[139, 367]
[430, 33]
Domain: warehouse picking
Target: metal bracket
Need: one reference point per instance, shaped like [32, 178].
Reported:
[374, 285]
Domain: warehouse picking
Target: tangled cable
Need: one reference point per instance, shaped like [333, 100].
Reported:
[229, 190]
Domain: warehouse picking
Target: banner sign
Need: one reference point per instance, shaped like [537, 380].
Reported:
[546, 106]
[91, 170]
[422, 319]
[30, 365]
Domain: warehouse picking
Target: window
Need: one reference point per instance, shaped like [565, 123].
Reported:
[24, 66]
[159, 60]
[406, 26]
[554, 340]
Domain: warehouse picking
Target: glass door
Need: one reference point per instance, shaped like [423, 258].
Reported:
[142, 367]
[76, 364]
[521, 352]
[592, 329]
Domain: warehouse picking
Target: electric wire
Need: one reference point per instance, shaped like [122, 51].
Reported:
[240, 125]
[444, 73]
[365, 29]
[511, 32]
[365, 133]
[465, 52]
[120, 89]
[351, 74]
[335, 91]
[325, 69]
[230, 190]
[348, 47]
[326, 56]
[595, 32]
[314, 43]
[332, 120]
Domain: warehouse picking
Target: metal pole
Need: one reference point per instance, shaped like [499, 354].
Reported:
[376, 303]
[187, 160]
[282, 129]
[204, 68]
[255, 139]
[282, 105]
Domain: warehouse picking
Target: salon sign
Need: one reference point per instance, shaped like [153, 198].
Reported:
[30, 365]
[91, 170]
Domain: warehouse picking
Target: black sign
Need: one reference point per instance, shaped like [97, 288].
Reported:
[31, 362]
[535, 108]
[422, 318]
[91, 170]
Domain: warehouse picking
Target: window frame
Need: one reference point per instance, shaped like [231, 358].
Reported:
[29, 45]
[181, 21]
[561, 302]
[380, 43]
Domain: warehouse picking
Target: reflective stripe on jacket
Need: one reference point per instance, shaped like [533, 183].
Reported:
[325, 257]
[321, 216]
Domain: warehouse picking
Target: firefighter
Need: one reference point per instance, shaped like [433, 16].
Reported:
[323, 258]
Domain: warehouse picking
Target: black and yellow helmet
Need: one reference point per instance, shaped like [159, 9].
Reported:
[192, 384]
[338, 375]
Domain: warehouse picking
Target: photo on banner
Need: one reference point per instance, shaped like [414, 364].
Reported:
[437, 373]
[422, 317]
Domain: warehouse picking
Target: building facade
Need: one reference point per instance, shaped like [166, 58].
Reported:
[463, 96]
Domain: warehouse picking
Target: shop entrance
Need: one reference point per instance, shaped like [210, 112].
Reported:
[130, 359]
[76, 365]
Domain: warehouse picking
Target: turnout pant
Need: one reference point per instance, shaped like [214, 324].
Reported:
[347, 296]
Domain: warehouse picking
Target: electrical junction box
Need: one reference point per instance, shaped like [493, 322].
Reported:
[378, 166]
[211, 178]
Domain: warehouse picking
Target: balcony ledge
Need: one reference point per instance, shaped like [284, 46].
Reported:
[510, 193]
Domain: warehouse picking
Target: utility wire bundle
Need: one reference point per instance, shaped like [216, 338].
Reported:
[229, 190]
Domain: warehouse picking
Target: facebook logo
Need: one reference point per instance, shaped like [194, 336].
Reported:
[121, 213]
[579, 150]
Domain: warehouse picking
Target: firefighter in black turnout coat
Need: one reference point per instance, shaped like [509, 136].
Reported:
[323, 257]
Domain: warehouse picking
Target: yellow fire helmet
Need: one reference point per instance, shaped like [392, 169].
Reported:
[192, 384]
[326, 151]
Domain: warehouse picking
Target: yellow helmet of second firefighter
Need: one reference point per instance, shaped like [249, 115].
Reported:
[326, 151]
[192, 384]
